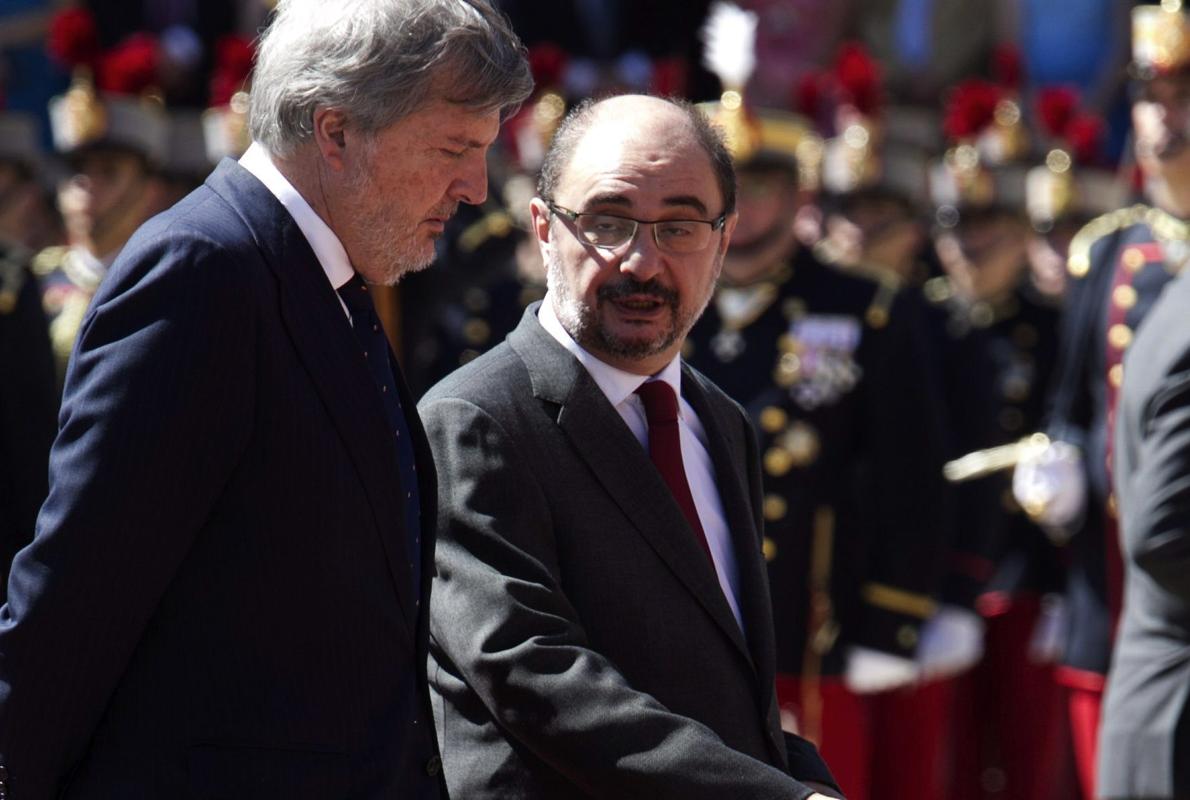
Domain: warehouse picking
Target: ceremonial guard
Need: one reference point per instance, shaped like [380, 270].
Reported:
[28, 401]
[111, 131]
[997, 327]
[1119, 265]
[831, 369]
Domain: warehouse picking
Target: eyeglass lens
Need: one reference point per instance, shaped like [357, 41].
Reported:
[676, 236]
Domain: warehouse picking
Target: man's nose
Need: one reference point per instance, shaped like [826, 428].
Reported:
[471, 184]
[643, 260]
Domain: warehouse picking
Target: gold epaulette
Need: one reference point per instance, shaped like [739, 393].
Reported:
[49, 259]
[937, 290]
[496, 224]
[1078, 263]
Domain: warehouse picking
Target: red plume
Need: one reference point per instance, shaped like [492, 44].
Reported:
[1085, 134]
[970, 108]
[131, 67]
[73, 39]
[858, 75]
[1056, 106]
[547, 61]
[233, 65]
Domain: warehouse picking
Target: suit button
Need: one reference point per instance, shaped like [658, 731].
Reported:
[433, 766]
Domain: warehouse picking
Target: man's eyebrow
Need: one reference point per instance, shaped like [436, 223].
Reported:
[686, 200]
[615, 199]
[609, 199]
[463, 141]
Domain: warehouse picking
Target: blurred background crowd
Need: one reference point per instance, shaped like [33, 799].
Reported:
[952, 220]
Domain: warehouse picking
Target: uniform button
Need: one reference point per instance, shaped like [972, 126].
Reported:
[777, 461]
[1133, 258]
[433, 766]
[1115, 375]
[1124, 296]
[1119, 336]
[774, 507]
[773, 419]
[770, 549]
[907, 637]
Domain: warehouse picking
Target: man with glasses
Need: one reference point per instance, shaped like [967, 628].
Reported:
[600, 619]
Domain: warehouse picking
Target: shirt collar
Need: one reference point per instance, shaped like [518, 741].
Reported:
[615, 383]
[323, 241]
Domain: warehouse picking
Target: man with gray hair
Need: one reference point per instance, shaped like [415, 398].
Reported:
[227, 593]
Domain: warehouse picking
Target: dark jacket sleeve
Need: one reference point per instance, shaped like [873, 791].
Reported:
[156, 412]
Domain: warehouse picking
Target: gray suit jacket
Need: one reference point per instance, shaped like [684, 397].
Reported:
[580, 643]
[1145, 738]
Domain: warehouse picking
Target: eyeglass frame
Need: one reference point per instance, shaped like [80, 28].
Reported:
[716, 224]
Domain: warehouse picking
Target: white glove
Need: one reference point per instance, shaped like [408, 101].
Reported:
[1052, 487]
[870, 671]
[951, 643]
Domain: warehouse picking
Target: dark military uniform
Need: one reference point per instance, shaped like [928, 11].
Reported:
[469, 302]
[1120, 264]
[997, 360]
[28, 405]
[832, 372]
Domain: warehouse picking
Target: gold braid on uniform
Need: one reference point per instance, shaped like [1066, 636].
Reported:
[1079, 261]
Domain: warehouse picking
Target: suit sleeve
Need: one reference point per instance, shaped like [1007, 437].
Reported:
[157, 411]
[501, 618]
[1158, 492]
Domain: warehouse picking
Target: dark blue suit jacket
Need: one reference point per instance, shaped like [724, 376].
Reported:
[218, 600]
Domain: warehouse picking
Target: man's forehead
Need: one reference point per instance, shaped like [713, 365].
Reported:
[615, 159]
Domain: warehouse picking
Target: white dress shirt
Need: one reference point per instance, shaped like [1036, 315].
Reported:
[323, 241]
[620, 387]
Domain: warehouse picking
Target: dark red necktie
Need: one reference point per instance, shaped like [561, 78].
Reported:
[665, 448]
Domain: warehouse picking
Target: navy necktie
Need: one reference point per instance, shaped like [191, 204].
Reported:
[381, 364]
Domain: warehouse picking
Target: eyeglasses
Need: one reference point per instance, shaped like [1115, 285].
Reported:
[609, 231]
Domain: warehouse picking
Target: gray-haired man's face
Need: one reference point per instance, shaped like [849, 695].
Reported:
[403, 188]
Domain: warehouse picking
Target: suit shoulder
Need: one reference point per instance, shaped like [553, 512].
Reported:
[485, 381]
[1078, 262]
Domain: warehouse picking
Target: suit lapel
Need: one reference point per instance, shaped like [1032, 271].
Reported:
[331, 354]
[621, 466]
[728, 454]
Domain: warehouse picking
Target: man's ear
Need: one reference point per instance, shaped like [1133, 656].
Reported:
[331, 137]
[539, 216]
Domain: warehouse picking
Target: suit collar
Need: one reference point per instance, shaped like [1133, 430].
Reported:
[326, 245]
[621, 466]
[324, 342]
